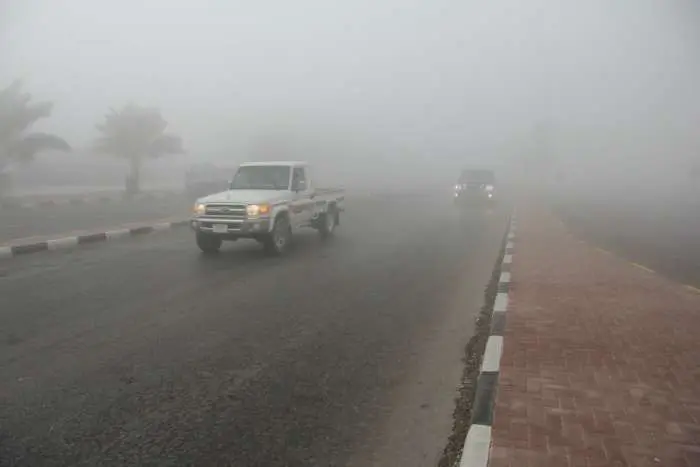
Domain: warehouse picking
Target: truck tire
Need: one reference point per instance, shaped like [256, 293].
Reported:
[209, 244]
[328, 221]
[277, 242]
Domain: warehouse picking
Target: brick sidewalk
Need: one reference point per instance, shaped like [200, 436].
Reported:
[601, 361]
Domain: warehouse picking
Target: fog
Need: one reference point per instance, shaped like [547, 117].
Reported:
[391, 92]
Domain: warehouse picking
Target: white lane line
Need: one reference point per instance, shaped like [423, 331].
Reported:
[511, 234]
[505, 278]
[510, 245]
[5, 252]
[507, 259]
[492, 355]
[643, 268]
[476, 447]
[117, 233]
[501, 303]
[58, 243]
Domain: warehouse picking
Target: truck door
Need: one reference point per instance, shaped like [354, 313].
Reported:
[302, 205]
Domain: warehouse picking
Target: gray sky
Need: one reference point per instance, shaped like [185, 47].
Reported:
[440, 77]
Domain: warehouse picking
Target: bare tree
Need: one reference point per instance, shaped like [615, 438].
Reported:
[136, 134]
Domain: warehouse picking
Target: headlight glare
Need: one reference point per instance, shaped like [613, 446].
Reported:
[200, 209]
[257, 210]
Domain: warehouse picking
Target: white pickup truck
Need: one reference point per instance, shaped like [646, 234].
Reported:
[267, 202]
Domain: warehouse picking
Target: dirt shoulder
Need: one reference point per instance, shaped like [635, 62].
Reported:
[662, 238]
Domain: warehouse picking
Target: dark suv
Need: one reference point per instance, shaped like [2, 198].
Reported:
[475, 187]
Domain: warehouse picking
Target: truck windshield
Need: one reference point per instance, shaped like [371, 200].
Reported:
[261, 177]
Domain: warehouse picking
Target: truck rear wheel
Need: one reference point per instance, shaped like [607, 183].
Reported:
[277, 242]
[328, 221]
[208, 243]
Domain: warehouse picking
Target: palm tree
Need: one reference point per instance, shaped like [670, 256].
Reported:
[17, 145]
[136, 133]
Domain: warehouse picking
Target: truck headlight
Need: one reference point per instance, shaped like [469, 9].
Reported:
[257, 210]
[200, 209]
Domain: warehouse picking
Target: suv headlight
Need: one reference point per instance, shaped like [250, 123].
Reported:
[200, 209]
[257, 210]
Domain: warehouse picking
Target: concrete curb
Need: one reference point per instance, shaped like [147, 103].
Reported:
[20, 249]
[477, 444]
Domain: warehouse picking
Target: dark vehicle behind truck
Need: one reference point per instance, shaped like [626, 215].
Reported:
[475, 187]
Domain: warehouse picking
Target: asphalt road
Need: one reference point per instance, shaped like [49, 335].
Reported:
[343, 353]
[56, 221]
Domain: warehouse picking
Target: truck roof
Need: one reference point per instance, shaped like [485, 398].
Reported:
[284, 163]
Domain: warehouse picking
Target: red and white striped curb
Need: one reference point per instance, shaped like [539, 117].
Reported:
[90, 238]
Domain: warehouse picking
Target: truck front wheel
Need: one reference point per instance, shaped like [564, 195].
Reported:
[277, 242]
[328, 222]
[208, 243]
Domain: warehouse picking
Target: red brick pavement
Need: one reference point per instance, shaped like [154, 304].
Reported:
[601, 362]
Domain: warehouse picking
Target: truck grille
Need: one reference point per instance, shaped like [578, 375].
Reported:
[226, 211]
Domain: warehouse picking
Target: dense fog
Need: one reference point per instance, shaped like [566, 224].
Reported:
[389, 93]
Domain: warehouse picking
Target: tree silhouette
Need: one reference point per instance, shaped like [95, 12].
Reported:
[136, 134]
[17, 144]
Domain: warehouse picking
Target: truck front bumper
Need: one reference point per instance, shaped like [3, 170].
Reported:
[231, 229]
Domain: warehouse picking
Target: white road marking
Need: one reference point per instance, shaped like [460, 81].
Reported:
[511, 234]
[492, 355]
[476, 447]
[65, 242]
[505, 278]
[510, 245]
[642, 267]
[501, 303]
[5, 252]
[507, 259]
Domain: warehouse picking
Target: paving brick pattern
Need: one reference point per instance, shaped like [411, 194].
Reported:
[601, 363]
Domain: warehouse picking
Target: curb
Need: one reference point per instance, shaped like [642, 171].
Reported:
[11, 251]
[477, 444]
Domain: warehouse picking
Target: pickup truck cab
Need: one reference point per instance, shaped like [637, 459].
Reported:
[267, 202]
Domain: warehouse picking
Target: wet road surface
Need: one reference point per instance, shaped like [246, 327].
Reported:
[345, 352]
